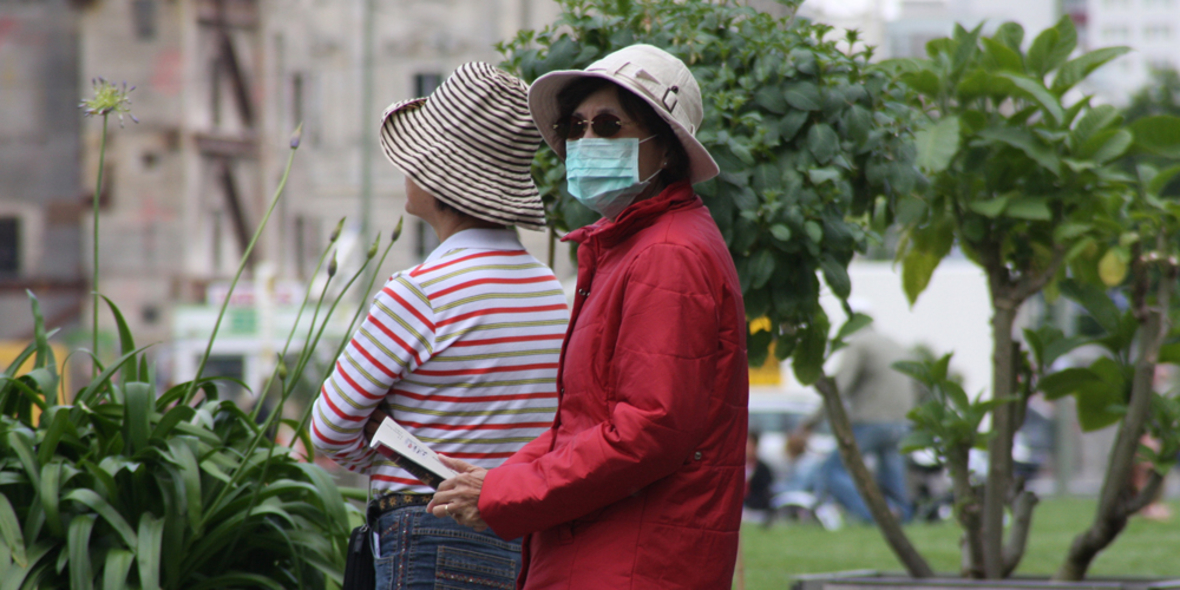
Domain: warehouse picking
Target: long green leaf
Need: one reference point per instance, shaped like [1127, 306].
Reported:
[44, 351]
[147, 554]
[50, 495]
[19, 442]
[78, 546]
[11, 533]
[237, 580]
[96, 384]
[114, 572]
[1077, 69]
[190, 474]
[126, 341]
[1036, 91]
[137, 407]
[1024, 141]
[59, 424]
[108, 512]
[328, 494]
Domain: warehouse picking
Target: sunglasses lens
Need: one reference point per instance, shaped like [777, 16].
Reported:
[573, 128]
[606, 125]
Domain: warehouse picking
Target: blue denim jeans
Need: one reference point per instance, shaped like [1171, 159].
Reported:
[879, 440]
[421, 551]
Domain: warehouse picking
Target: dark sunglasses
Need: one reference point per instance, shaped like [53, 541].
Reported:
[604, 125]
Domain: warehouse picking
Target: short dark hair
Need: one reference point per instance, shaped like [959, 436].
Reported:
[575, 92]
[442, 205]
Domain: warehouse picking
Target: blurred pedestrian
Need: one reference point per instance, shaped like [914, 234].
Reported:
[878, 399]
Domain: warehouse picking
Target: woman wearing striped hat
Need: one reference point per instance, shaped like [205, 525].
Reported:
[639, 483]
[461, 350]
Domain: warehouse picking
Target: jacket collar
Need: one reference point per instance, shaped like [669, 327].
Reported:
[637, 215]
[479, 239]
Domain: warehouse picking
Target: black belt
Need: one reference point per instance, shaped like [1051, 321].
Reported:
[394, 501]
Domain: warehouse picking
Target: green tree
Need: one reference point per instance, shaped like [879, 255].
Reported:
[814, 146]
[1032, 190]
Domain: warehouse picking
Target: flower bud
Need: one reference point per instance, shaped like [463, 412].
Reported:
[336, 232]
[332, 266]
[282, 368]
[296, 136]
[373, 248]
[397, 231]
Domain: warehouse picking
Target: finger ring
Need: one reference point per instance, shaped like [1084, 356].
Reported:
[447, 509]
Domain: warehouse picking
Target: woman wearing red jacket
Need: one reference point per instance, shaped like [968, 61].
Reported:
[639, 482]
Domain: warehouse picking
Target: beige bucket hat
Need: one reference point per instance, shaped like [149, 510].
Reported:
[470, 144]
[652, 74]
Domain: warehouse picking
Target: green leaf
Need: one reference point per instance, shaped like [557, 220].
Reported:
[50, 494]
[1158, 135]
[1003, 56]
[815, 233]
[761, 268]
[1066, 382]
[803, 96]
[917, 267]
[990, 208]
[1161, 180]
[1030, 208]
[1038, 53]
[1079, 68]
[118, 565]
[78, 547]
[1011, 34]
[791, 124]
[836, 276]
[823, 142]
[98, 383]
[853, 325]
[104, 509]
[1024, 141]
[938, 144]
[59, 424]
[1107, 145]
[10, 532]
[772, 99]
[147, 553]
[1036, 91]
[808, 359]
[780, 232]
[1095, 302]
[126, 341]
[138, 406]
[18, 441]
[1094, 121]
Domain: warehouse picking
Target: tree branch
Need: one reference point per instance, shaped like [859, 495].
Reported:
[866, 485]
[1022, 509]
[1146, 496]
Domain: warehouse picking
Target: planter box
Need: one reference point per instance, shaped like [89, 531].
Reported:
[872, 580]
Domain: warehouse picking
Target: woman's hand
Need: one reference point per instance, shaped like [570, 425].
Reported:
[458, 497]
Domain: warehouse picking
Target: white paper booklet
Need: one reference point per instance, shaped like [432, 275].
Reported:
[409, 453]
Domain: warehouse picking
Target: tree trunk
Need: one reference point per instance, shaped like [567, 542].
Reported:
[968, 511]
[999, 472]
[1117, 501]
[866, 485]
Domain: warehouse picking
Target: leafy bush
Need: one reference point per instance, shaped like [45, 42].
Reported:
[810, 139]
[125, 489]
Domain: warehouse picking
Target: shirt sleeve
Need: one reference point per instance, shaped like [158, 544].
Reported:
[397, 336]
[664, 371]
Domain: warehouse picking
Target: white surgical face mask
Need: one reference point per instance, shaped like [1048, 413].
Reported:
[603, 174]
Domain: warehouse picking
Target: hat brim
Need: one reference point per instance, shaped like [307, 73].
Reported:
[543, 106]
[432, 162]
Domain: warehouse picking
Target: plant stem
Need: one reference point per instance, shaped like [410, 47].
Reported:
[188, 394]
[102, 154]
[909, 557]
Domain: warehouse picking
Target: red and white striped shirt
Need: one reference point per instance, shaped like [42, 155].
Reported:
[463, 348]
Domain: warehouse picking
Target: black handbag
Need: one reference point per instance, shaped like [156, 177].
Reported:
[359, 573]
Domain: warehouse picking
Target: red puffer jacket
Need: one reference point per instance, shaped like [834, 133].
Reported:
[639, 483]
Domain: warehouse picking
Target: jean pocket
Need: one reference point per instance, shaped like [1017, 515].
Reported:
[465, 569]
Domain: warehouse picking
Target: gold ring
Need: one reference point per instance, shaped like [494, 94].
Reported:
[447, 509]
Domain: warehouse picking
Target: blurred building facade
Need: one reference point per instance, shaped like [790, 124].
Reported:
[40, 196]
[220, 86]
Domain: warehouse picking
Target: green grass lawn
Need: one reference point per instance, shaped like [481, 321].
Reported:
[772, 557]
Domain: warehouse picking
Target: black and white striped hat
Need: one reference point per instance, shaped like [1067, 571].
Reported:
[470, 144]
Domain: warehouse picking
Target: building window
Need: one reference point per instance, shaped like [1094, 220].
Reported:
[144, 12]
[424, 84]
[9, 246]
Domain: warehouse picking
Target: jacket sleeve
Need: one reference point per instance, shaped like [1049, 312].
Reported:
[395, 339]
[663, 370]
